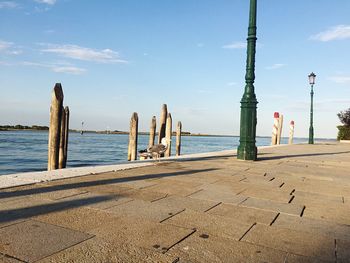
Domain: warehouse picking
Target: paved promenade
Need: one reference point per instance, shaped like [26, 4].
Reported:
[293, 205]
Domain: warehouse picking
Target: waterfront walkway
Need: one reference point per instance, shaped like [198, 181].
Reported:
[293, 205]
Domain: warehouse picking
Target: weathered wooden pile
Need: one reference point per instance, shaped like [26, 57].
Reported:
[165, 131]
[58, 131]
[277, 129]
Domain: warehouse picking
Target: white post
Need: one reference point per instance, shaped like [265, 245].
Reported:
[276, 115]
[291, 132]
[280, 126]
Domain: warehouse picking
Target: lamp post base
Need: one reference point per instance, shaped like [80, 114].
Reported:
[311, 135]
[247, 151]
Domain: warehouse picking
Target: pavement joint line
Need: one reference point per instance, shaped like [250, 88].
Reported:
[282, 185]
[291, 193]
[242, 201]
[302, 211]
[106, 208]
[242, 191]
[335, 250]
[273, 178]
[274, 220]
[291, 199]
[12, 257]
[213, 207]
[197, 191]
[172, 216]
[92, 236]
[246, 232]
[160, 198]
[60, 198]
[182, 239]
[343, 199]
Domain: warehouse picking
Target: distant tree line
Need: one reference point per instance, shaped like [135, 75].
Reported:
[23, 127]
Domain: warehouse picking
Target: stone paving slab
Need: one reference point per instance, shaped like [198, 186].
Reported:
[201, 247]
[145, 210]
[293, 209]
[338, 214]
[99, 250]
[296, 242]
[210, 224]
[80, 219]
[343, 250]
[182, 203]
[173, 187]
[244, 214]
[218, 196]
[313, 226]
[32, 240]
[142, 233]
[267, 193]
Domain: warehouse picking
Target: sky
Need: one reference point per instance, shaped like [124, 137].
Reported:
[117, 57]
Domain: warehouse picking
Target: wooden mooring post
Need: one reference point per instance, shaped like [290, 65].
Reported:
[162, 123]
[178, 138]
[280, 126]
[291, 132]
[276, 116]
[132, 150]
[152, 132]
[168, 134]
[62, 163]
[55, 127]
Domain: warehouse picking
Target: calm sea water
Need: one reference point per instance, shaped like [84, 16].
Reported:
[24, 151]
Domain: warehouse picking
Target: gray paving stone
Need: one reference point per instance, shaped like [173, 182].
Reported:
[32, 240]
[244, 214]
[182, 203]
[314, 226]
[210, 224]
[296, 242]
[139, 232]
[218, 196]
[173, 187]
[98, 250]
[343, 250]
[144, 194]
[201, 247]
[144, 210]
[270, 205]
[339, 214]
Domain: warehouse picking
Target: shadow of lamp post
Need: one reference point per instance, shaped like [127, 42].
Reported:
[247, 149]
[312, 78]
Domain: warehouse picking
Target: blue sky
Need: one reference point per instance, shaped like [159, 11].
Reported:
[115, 57]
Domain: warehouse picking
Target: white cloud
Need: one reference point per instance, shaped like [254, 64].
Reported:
[235, 45]
[340, 79]
[56, 67]
[4, 45]
[69, 70]
[8, 4]
[48, 2]
[275, 66]
[86, 54]
[334, 33]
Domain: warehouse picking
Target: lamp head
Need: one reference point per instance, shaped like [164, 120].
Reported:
[312, 78]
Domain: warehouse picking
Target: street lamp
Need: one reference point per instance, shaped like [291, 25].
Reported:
[312, 78]
[247, 149]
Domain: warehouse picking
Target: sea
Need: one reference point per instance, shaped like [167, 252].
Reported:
[26, 151]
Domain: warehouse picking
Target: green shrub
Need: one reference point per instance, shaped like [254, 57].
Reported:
[344, 117]
[343, 133]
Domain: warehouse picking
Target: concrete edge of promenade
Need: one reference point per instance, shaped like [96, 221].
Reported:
[21, 179]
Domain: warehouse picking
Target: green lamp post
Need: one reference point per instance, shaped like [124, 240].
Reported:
[312, 78]
[247, 149]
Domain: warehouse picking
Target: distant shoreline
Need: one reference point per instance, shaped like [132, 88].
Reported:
[147, 133]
